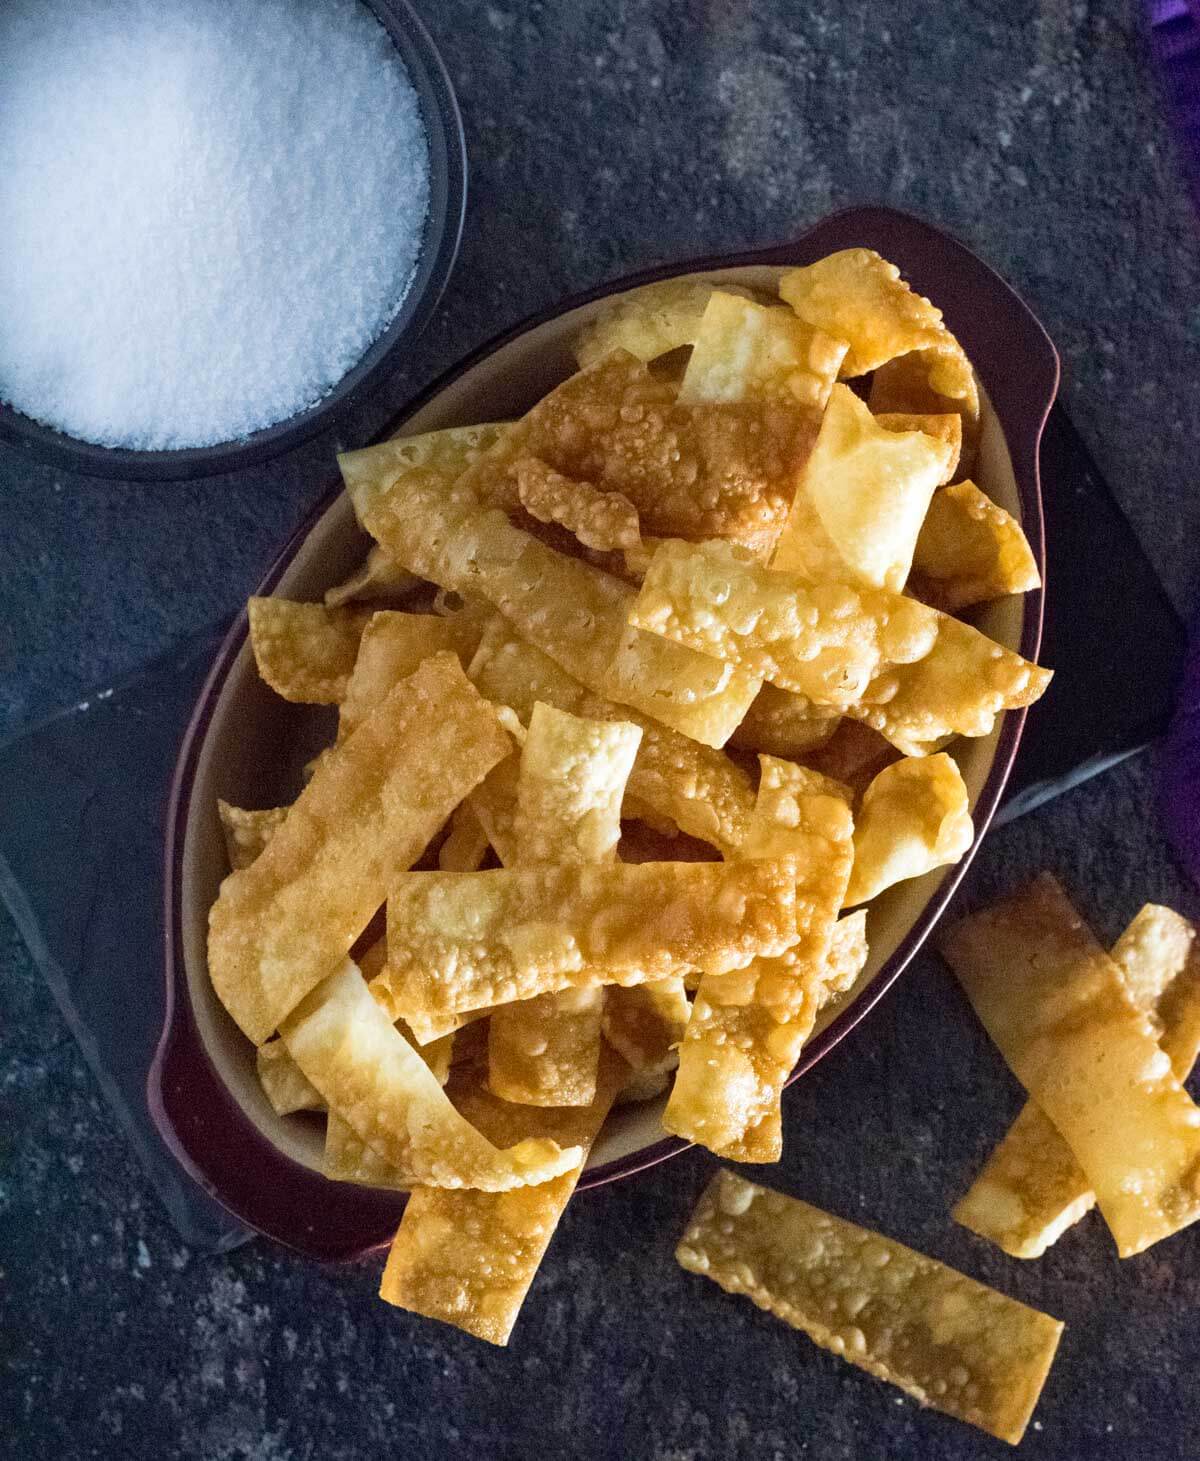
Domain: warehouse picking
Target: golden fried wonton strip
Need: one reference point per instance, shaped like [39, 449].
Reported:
[468, 1258]
[1056, 1006]
[748, 1026]
[645, 1023]
[284, 1084]
[861, 499]
[783, 724]
[746, 351]
[605, 521]
[906, 670]
[545, 1051]
[347, 1158]
[247, 833]
[465, 940]
[379, 1085]
[943, 425]
[915, 816]
[305, 652]
[941, 1337]
[970, 551]
[1032, 1189]
[649, 322]
[370, 473]
[466, 845]
[370, 810]
[573, 612]
[696, 787]
[936, 379]
[393, 645]
[380, 580]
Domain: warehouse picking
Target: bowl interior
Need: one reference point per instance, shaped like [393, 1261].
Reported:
[257, 743]
[439, 248]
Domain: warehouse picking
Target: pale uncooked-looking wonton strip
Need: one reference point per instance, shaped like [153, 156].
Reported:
[379, 1085]
[1032, 1189]
[941, 1337]
[545, 1051]
[1057, 1008]
[747, 1027]
[909, 672]
[372, 807]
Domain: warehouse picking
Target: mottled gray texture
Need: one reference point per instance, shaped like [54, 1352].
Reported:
[605, 137]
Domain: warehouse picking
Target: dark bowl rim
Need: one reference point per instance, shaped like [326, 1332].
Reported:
[1021, 400]
[365, 381]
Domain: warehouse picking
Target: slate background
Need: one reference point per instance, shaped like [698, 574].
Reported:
[604, 138]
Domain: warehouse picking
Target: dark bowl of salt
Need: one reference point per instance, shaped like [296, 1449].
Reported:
[226, 239]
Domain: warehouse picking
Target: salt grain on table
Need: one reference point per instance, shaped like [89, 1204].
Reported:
[211, 209]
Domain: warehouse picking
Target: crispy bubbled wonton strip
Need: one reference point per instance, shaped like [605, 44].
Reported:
[645, 1023]
[347, 1158]
[246, 832]
[545, 1051]
[393, 646]
[941, 1337]
[747, 351]
[915, 816]
[970, 551]
[379, 1085]
[935, 379]
[944, 426]
[380, 580]
[783, 724]
[697, 787]
[370, 473]
[466, 845]
[907, 671]
[857, 296]
[305, 652]
[861, 499]
[465, 940]
[573, 612]
[693, 470]
[748, 1026]
[1032, 1189]
[284, 1084]
[370, 810]
[1056, 1007]
[605, 521]
[649, 322]
[468, 1258]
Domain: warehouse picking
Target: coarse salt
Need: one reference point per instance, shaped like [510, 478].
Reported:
[210, 210]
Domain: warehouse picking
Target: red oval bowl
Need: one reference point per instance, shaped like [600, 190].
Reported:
[202, 1093]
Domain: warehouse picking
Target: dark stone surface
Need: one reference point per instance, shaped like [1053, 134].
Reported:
[604, 137]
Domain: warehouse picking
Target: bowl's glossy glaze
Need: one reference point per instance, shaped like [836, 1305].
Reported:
[247, 745]
[365, 382]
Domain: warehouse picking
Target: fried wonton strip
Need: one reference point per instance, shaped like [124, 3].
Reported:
[702, 469]
[606, 521]
[545, 1051]
[468, 1258]
[380, 580]
[970, 551]
[936, 379]
[1056, 1006]
[857, 296]
[945, 426]
[747, 351]
[573, 612]
[748, 1026]
[370, 810]
[466, 843]
[246, 832]
[941, 1337]
[649, 322]
[347, 1158]
[375, 1081]
[1032, 1189]
[783, 724]
[696, 787]
[370, 473]
[494, 804]
[645, 1023]
[284, 1084]
[465, 940]
[305, 652]
[914, 817]
[906, 670]
[861, 499]
[854, 754]
[393, 645]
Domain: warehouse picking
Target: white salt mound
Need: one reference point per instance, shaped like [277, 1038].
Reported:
[209, 210]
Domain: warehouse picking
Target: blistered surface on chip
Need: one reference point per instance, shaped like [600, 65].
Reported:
[305, 652]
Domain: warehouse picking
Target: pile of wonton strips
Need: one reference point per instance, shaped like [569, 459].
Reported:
[674, 552]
